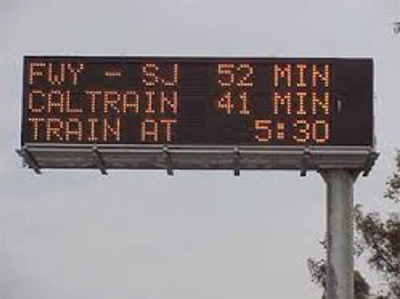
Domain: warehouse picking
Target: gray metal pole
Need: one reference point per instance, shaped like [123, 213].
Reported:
[340, 278]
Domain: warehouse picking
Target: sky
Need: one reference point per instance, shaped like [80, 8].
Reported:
[198, 234]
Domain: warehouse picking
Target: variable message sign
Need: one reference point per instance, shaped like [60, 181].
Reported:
[180, 103]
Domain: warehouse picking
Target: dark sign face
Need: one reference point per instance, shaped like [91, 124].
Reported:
[197, 101]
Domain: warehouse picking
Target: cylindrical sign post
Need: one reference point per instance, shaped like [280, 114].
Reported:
[340, 278]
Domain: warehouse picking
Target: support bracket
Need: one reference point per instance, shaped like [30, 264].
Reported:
[29, 159]
[236, 161]
[168, 160]
[305, 161]
[369, 162]
[99, 160]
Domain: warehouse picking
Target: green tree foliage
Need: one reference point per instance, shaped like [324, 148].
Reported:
[378, 240]
[393, 183]
[318, 275]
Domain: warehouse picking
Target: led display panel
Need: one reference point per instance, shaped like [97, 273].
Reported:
[198, 101]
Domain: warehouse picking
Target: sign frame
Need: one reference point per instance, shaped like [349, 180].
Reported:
[172, 156]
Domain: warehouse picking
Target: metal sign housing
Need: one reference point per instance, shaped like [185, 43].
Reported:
[197, 113]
